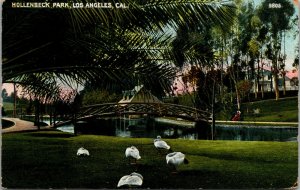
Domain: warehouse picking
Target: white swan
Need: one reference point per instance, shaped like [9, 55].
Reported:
[132, 152]
[134, 179]
[176, 158]
[160, 144]
[82, 152]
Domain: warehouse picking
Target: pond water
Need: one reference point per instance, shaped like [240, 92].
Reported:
[152, 128]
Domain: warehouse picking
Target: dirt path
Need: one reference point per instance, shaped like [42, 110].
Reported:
[20, 125]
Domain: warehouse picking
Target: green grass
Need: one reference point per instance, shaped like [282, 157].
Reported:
[8, 105]
[282, 110]
[47, 159]
[8, 108]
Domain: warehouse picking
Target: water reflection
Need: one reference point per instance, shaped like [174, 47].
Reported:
[255, 133]
[151, 128]
[67, 128]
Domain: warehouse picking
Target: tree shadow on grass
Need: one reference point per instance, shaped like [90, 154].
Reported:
[194, 179]
[51, 134]
[200, 179]
[208, 179]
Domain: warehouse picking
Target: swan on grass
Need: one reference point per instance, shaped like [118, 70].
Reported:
[161, 144]
[82, 152]
[132, 180]
[132, 153]
[175, 159]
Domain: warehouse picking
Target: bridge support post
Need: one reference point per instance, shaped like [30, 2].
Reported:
[74, 122]
[203, 130]
[75, 128]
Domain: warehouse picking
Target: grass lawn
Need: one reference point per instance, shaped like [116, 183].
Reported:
[8, 105]
[47, 159]
[8, 108]
[282, 110]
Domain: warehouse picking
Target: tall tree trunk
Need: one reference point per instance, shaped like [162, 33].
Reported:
[284, 86]
[271, 77]
[238, 97]
[263, 85]
[37, 114]
[15, 101]
[276, 71]
[275, 77]
[258, 77]
[284, 56]
[276, 86]
[213, 113]
[262, 74]
[222, 65]
[255, 87]
[275, 66]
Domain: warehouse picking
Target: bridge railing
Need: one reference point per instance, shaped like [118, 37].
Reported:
[136, 108]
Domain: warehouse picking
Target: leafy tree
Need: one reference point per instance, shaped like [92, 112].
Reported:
[99, 96]
[233, 75]
[4, 94]
[244, 87]
[237, 43]
[261, 37]
[296, 61]
[277, 21]
[206, 87]
[193, 46]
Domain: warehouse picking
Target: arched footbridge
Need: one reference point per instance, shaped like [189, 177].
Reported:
[151, 109]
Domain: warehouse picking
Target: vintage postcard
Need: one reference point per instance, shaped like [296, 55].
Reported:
[149, 94]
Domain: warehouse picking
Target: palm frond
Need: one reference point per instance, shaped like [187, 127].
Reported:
[103, 46]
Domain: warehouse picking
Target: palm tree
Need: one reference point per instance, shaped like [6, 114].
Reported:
[49, 47]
